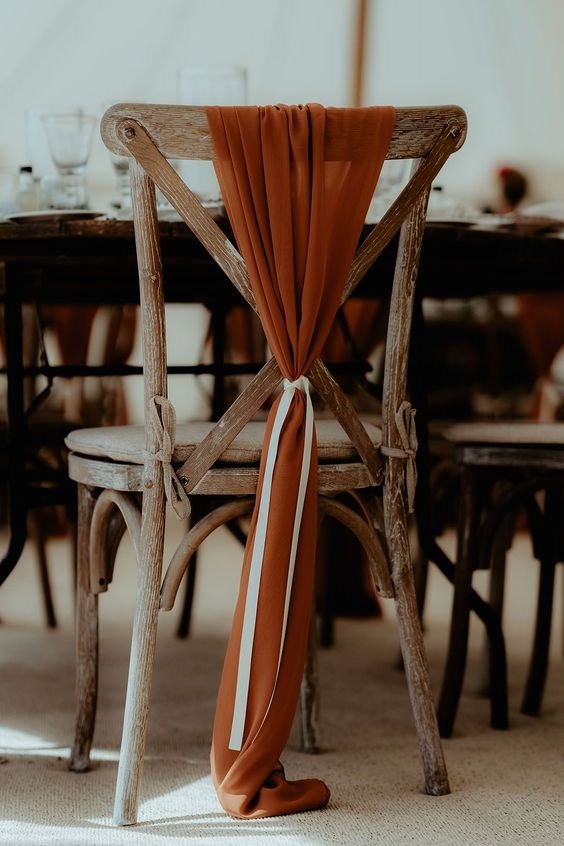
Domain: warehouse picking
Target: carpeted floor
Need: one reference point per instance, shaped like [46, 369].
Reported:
[507, 786]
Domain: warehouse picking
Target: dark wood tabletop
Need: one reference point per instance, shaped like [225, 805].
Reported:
[93, 261]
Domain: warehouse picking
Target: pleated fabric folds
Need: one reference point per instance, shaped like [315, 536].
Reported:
[296, 182]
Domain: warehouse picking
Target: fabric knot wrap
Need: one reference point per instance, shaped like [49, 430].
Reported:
[164, 426]
[296, 201]
[405, 422]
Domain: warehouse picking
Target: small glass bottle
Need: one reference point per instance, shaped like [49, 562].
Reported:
[26, 196]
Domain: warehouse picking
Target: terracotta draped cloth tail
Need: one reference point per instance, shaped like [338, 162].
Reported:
[297, 182]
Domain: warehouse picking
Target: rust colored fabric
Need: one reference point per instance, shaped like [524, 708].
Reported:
[297, 203]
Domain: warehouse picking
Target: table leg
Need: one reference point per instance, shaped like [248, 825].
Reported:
[17, 440]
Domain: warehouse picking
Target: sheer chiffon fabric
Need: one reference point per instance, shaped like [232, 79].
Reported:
[297, 182]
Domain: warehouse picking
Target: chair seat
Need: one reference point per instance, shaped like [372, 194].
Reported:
[126, 443]
[507, 433]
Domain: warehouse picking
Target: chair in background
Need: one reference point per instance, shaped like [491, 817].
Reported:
[124, 472]
[505, 466]
[106, 337]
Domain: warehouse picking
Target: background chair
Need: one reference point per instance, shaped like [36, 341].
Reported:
[123, 473]
[505, 466]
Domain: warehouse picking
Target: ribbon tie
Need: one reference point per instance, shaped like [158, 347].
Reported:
[164, 426]
[255, 571]
[405, 422]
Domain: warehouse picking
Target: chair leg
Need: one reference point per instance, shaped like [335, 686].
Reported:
[186, 616]
[412, 646]
[40, 541]
[309, 692]
[500, 547]
[538, 668]
[143, 644]
[550, 551]
[86, 639]
[460, 619]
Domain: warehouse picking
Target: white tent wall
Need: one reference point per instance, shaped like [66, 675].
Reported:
[501, 59]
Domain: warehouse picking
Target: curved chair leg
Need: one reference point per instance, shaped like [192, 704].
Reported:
[143, 644]
[86, 639]
[411, 639]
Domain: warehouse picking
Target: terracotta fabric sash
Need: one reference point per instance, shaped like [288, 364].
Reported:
[297, 203]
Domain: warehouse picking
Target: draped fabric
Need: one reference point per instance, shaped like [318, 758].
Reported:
[297, 182]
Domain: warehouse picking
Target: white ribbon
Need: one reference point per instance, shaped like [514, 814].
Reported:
[255, 571]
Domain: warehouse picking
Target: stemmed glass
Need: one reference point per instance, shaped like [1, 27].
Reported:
[70, 140]
[208, 85]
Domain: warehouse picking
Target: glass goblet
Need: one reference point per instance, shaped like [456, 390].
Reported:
[70, 141]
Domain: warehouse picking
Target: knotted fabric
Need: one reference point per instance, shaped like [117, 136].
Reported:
[405, 422]
[296, 182]
[164, 426]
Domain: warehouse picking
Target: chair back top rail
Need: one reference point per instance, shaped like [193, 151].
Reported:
[151, 134]
[182, 132]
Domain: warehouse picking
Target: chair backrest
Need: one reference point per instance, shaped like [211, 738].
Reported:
[152, 133]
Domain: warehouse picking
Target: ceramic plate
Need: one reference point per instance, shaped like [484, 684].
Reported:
[48, 215]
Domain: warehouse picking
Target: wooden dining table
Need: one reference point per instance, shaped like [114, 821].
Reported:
[93, 262]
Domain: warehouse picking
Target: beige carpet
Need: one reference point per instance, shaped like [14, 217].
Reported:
[507, 786]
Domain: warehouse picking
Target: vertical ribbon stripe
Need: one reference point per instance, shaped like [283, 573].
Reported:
[255, 572]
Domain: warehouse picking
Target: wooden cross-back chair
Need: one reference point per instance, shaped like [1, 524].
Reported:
[125, 474]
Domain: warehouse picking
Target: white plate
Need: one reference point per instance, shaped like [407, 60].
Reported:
[48, 215]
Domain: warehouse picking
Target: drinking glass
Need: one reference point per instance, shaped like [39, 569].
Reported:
[209, 85]
[70, 140]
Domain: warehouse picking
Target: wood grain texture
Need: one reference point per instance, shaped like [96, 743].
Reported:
[86, 638]
[143, 640]
[191, 541]
[108, 502]
[151, 134]
[384, 231]
[198, 220]
[309, 688]
[182, 132]
[343, 409]
[231, 423]
[395, 517]
[228, 481]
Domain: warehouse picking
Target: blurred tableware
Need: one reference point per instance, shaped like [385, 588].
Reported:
[53, 215]
[70, 140]
[209, 85]
[121, 169]
[8, 189]
[37, 151]
[27, 195]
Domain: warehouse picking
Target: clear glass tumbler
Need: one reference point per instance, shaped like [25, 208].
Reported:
[70, 141]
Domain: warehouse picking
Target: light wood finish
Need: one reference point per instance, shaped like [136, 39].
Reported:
[394, 493]
[101, 565]
[227, 481]
[86, 636]
[143, 639]
[150, 134]
[182, 132]
[198, 533]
